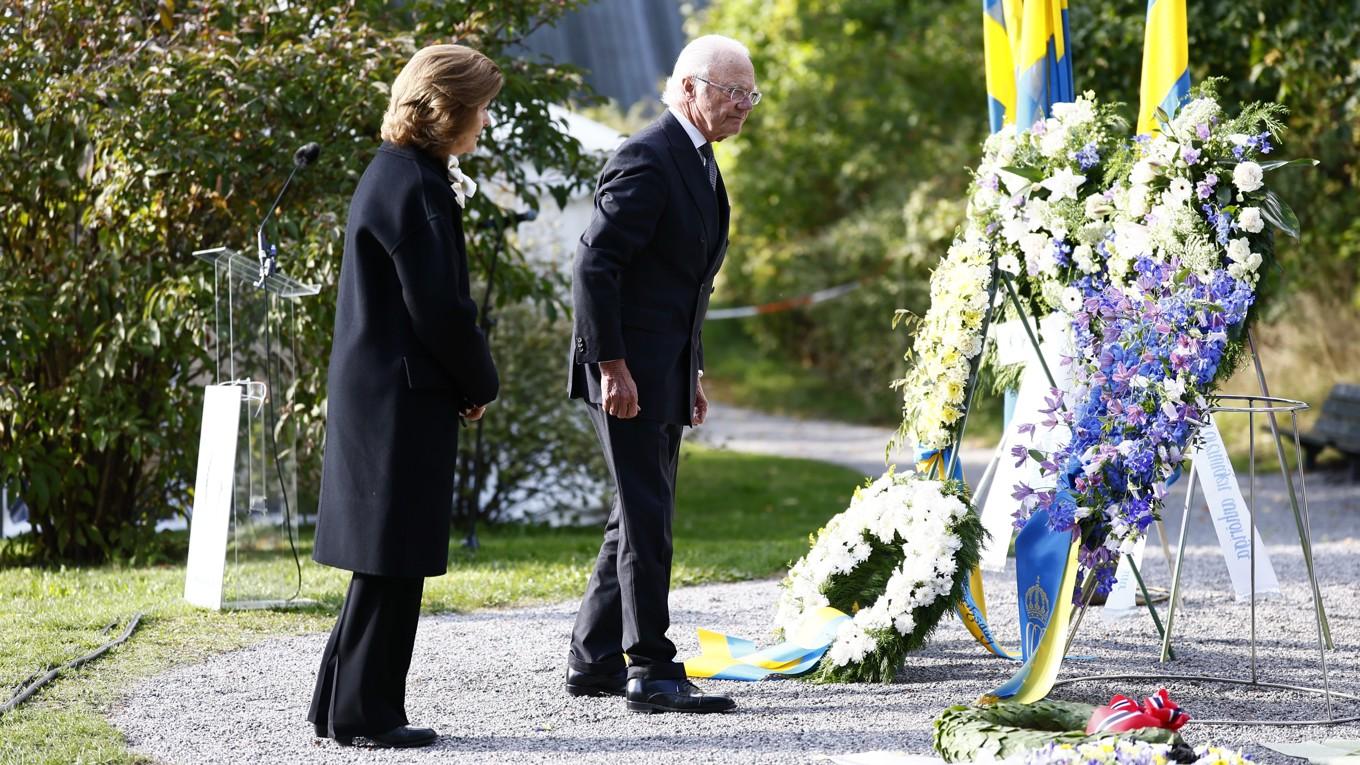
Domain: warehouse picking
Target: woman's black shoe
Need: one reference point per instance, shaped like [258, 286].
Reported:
[403, 737]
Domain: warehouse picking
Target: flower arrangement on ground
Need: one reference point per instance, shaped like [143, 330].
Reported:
[1161, 319]
[897, 560]
[1009, 729]
[1127, 752]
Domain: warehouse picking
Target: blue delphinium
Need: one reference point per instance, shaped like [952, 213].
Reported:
[1129, 435]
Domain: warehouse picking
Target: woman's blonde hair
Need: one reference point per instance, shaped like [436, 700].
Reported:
[436, 97]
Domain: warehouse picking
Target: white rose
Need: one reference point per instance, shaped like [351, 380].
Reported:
[1074, 113]
[1097, 206]
[1239, 250]
[1138, 201]
[1143, 173]
[1250, 220]
[1013, 229]
[1132, 240]
[1247, 176]
[1052, 143]
[1034, 245]
[1082, 256]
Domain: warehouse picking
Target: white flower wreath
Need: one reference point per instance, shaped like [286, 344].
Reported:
[932, 534]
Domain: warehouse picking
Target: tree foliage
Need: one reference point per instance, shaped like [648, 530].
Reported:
[854, 166]
[137, 132]
[844, 172]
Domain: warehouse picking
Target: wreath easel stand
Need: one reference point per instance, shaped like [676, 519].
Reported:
[1251, 405]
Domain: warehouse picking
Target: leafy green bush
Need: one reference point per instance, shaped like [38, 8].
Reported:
[541, 460]
[137, 132]
[875, 109]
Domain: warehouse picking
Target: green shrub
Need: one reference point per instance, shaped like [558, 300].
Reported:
[137, 132]
[541, 459]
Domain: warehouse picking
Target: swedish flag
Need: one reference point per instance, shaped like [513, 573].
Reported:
[1166, 63]
[1043, 61]
[1000, 35]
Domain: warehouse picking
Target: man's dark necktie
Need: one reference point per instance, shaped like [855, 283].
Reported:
[712, 165]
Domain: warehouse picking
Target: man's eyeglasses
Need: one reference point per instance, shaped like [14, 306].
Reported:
[736, 94]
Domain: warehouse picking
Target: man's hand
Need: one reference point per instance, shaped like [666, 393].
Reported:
[473, 414]
[620, 392]
[700, 405]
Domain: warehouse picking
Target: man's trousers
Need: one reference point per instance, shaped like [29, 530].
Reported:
[626, 606]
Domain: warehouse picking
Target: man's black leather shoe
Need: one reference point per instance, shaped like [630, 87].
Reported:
[403, 737]
[648, 696]
[587, 684]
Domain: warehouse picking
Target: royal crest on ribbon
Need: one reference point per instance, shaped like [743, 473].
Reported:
[1037, 609]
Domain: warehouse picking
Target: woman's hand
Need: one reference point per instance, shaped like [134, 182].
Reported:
[473, 414]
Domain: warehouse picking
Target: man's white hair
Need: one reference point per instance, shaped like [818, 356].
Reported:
[697, 59]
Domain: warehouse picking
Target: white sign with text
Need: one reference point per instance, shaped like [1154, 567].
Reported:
[1232, 517]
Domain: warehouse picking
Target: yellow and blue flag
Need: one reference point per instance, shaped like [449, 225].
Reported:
[1043, 61]
[1166, 63]
[1000, 35]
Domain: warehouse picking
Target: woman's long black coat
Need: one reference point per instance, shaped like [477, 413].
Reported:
[407, 356]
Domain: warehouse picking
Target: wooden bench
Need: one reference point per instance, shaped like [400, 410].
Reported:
[1337, 427]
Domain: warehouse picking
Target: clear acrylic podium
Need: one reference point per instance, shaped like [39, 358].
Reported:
[245, 510]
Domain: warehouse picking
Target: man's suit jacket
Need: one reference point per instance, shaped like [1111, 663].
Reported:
[644, 271]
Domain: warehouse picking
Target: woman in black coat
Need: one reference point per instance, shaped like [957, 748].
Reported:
[407, 360]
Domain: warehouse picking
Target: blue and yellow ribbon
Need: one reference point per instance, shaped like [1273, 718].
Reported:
[732, 658]
[1050, 558]
[1166, 63]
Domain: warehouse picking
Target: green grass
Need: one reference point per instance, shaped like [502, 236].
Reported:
[738, 517]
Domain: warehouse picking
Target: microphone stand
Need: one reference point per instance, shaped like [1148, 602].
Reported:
[267, 253]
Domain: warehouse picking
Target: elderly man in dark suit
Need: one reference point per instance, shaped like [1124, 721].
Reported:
[644, 270]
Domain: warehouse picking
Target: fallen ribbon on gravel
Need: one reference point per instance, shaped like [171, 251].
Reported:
[732, 658]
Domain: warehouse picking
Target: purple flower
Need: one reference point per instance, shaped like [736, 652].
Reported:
[1087, 156]
[1020, 453]
[1205, 188]
[1202, 130]
[1190, 155]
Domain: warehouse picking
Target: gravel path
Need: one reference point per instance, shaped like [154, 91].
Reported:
[490, 681]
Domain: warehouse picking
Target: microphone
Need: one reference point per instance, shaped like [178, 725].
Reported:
[306, 155]
[264, 251]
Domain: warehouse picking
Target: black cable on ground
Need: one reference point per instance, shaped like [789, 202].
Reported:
[31, 688]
